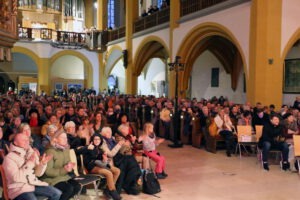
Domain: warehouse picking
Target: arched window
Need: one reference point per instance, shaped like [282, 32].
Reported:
[111, 14]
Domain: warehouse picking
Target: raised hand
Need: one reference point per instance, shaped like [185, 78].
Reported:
[45, 158]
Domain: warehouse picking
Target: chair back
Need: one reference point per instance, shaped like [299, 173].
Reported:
[73, 159]
[84, 170]
[258, 132]
[4, 183]
[243, 130]
[296, 145]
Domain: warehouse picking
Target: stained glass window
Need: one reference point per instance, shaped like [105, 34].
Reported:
[111, 14]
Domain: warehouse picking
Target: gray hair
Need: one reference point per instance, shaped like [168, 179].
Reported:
[70, 124]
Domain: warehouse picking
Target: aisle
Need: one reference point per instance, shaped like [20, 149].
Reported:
[199, 175]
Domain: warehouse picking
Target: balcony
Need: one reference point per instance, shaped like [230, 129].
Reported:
[191, 6]
[153, 20]
[116, 34]
[45, 34]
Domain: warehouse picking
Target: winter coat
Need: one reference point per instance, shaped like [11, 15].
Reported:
[55, 171]
[21, 174]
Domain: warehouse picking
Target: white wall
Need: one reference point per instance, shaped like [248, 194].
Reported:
[235, 19]
[45, 50]
[289, 99]
[290, 20]
[156, 72]
[119, 71]
[68, 67]
[201, 80]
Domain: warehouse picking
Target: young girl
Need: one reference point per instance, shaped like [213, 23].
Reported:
[149, 146]
[96, 161]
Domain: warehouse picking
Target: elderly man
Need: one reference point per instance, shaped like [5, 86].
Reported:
[21, 167]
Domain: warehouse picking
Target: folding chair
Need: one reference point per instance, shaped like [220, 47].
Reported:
[259, 130]
[258, 134]
[83, 179]
[297, 149]
[244, 135]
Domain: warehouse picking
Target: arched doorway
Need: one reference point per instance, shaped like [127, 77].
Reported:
[114, 70]
[151, 67]
[214, 64]
[291, 74]
[22, 71]
[70, 69]
[152, 80]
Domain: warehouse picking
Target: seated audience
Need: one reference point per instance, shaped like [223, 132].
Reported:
[59, 170]
[52, 121]
[126, 162]
[73, 140]
[260, 118]
[270, 138]
[149, 146]
[85, 131]
[97, 162]
[225, 129]
[4, 145]
[46, 140]
[22, 166]
[291, 128]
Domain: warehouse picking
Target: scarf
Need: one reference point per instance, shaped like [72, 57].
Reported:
[60, 147]
[33, 122]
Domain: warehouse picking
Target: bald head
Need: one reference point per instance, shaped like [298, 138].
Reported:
[21, 140]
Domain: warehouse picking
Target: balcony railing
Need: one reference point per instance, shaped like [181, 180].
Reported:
[116, 33]
[150, 21]
[191, 6]
[49, 34]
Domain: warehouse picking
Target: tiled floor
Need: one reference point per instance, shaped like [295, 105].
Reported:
[199, 175]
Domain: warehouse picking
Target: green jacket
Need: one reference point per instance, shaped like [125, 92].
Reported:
[55, 171]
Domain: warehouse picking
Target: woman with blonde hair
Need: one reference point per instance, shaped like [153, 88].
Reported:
[60, 166]
[149, 146]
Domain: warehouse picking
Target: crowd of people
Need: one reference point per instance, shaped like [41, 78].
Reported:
[154, 8]
[117, 136]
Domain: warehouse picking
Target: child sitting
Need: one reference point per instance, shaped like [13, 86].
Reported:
[149, 146]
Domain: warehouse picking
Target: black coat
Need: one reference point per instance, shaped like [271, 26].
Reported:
[90, 156]
[270, 133]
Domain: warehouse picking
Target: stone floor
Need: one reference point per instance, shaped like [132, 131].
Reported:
[197, 174]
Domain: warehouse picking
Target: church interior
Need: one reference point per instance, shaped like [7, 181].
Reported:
[147, 99]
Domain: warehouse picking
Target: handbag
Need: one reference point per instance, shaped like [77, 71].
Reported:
[150, 183]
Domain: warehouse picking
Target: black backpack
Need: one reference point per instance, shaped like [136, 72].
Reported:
[150, 183]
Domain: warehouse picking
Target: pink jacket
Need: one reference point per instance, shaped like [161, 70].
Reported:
[21, 173]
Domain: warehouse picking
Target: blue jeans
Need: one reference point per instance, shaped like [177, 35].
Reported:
[282, 146]
[50, 192]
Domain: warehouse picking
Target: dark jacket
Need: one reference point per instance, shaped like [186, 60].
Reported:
[90, 156]
[270, 133]
[256, 120]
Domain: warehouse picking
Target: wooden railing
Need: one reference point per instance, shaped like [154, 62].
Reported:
[116, 33]
[49, 34]
[150, 21]
[36, 33]
[70, 37]
[190, 6]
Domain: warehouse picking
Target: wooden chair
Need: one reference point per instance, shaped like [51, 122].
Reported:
[244, 132]
[84, 179]
[213, 138]
[297, 149]
[196, 132]
[4, 184]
